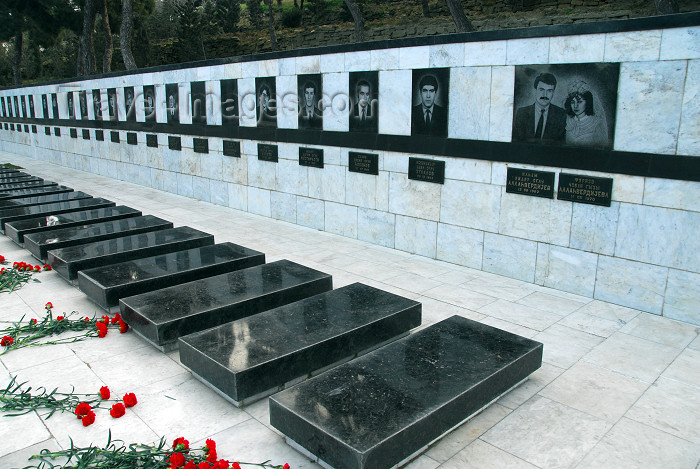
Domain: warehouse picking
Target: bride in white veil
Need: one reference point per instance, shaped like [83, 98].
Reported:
[585, 123]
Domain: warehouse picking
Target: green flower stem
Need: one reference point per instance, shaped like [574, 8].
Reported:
[21, 401]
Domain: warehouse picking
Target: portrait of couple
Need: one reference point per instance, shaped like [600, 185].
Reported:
[565, 104]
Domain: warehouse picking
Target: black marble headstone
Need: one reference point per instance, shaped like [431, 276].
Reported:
[232, 148]
[35, 184]
[530, 182]
[267, 152]
[291, 342]
[311, 157]
[386, 407]
[164, 315]
[19, 193]
[421, 169]
[52, 209]
[32, 200]
[585, 189]
[20, 182]
[17, 229]
[367, 163]
[68, 261]
[38, 244]
[200, 145]
[107, 285]
[131, 138]
[174, 143]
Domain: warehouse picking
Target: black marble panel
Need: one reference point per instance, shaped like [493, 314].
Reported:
[57, 131]
[26, 128]
[19, 182]
[107, 285]
[34, 184]
[38, 244]
[86, 134]
[4, 170]
[32, 200]
[131, 138]
[293, 341]
[367, 163]
[384, 407]
[24, 213]
[73, 133]
[530, 182]
[12, 126]
[6, 177]
[34, 129]
[232, 148]
[17, 229]
[20, 193]
[200, 145]
[585, 189]
[164, 315]
[152, 140]
[114, 136]
[100, 135]
[68, 261]
[267, 152]
[421, 169]
[174, 143]
[311, 157]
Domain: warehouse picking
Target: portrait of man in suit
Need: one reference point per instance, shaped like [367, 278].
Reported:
[310, 115]
[44, 106]
[54, 105]
[266, 108]
[541, 121]
[149, 103]
[172, 111]
[97, 104]
[112, 103]
[71, 106]
[229, 102]
[365, 105]
[428, 116]
[83, 105]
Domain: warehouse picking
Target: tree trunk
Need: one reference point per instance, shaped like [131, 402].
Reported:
[426, 8]
[666, 7]
[86, 51]
[17, 56]
[358, 18]
[125, 30]
[109, 45]
[271, 24]
[461, 21]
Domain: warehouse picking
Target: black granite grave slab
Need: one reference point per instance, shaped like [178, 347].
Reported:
[33, 200]
[38, 244]
[386, 407]
[4, 170]
[14, 175]
[48, 190]
[68, 261]
[10, 183]
[291, 342]
[23, 213]
[17, 229]
[26, 185]
[164, 315]
[106, 285]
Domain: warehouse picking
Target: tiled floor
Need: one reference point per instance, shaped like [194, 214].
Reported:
[618, 388]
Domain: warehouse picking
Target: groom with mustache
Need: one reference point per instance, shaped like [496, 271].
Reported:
[542, 121]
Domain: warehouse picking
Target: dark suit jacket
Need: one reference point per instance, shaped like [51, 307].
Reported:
[313, 121]
[524, 125]
[369, 124]
[438, 119]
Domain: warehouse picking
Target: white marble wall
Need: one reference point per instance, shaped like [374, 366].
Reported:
[643, 251]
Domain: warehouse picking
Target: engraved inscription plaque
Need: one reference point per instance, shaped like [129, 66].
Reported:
[151, 140]
[47, 130]
[200, 145]
[530, 182]
[267, 152]
[585, 189]
[367, 163]
[56, 131]
[86, 134]
[114, 136]
[100, 135]
[421, 169]
[232, 148]
[73, 133]
[311, 157]
[26, 128]
[131, 138]
[34, 130]
[174, 143]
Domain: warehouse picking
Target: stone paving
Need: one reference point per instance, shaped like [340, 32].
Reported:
[617, 388]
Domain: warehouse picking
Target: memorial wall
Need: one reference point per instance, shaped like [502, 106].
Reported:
[567, 156]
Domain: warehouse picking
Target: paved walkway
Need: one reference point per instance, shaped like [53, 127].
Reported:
[618, 388]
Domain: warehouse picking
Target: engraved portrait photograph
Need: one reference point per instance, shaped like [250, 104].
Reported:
[71, 105]
[229, 102]
[309, 93]
[364, 101]
[430, 101]
[198, 102]
[30, 100]
[172, 110]
[566, 104]
[97, 104]
[23, 104]
[266, 103]
[44, 105]
[54, 105]
[130, 103]
[112, 103]
[82, 100]
[149, 103]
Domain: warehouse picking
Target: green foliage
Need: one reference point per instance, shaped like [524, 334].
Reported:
[292, 18]
[190, 21]
[255, 13]
[227, 14]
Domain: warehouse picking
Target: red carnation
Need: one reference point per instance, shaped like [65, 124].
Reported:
[32, 321]
[211, 456]
[82, 409]
[104, 392]
[180, 444]
[47, 267]
[37, 268]
[117, 318]
[2, 259]
[6, 341]
[130, 399]
[88, 419]
[221, 464]
[59, 318]
[235, 466]
[204, 465]
[190, 465]
[286, 466]
[101, 329]
[123, 327]
[118, 410]
[48, 305]
[177, 460]
[105, 319]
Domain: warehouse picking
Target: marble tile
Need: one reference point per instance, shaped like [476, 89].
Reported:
[341, 219]
[576, 49]
[32, 432]
[512, 257]
[501, 115]
[361, 189]
[467, 170]
[483, 203]
[684, 368]
[682, 293]
[331, 63]
[566, 269]
[384, 59]
[527, 51]
[632, 356]
[459, 245]
[644, 86]
[283, 206]
[594, 228]
[336, 101]
[414, 57]
[246, 101]
[485, 53]
[459, 296]
[230, 169]
[414, 198]
[395, 109]
[632, 284]
[689, 132]
[479, 454]
[237, 196]
[259, 201]
[446, 55]
[268, 68]
[632, 46]
[632, 444]
[357, 61]
[659, 236]
[670, 406]
[565, 346]
[415, 235]
[661, 330]
[311, 213]
[617, 314]
[376, 227]
[184, 185]
[21, 457]
[520, 314]
[291, 177]
[550, 303]
[213, 103]
[547, 434]
[287, 108]
[535, 218]
[262, 174]
[582, 321]
[683, 195]
[470, 119]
